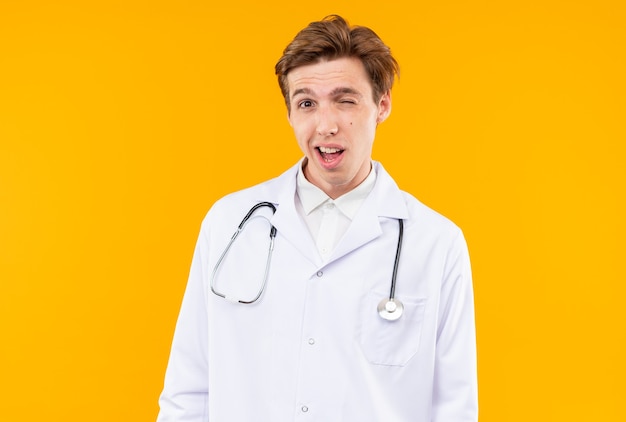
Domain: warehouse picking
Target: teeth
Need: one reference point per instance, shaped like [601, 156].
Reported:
[329, 150]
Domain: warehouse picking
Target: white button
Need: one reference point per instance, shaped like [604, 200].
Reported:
[311, 341]
[305, 409]
[320, 273]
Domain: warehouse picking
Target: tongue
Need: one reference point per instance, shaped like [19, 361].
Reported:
[330, 156]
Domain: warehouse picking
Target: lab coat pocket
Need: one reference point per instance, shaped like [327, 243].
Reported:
[391, 343]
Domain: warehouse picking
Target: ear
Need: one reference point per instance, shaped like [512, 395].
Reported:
[384, 107]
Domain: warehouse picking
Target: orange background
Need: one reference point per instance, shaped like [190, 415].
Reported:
[121, 122]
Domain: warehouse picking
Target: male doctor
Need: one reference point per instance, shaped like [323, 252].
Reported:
[342, 298]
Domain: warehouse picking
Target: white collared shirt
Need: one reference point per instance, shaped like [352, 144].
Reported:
[327, 218]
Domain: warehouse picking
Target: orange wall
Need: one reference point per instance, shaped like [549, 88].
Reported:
[122, 121]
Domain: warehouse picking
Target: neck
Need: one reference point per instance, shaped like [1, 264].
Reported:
[335, 190]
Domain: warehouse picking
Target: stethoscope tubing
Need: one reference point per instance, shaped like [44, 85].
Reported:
[396, 262]
[389, 308]
[244, 221]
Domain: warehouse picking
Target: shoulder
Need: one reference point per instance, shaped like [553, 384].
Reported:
[423, 214]
[397, 203]
[431, 227]
[236, 204]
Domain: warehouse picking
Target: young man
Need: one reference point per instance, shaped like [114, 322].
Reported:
[342, 298]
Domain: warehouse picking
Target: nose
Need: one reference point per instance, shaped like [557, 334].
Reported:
[326, 122]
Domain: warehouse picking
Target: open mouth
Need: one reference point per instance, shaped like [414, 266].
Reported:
[329, 154]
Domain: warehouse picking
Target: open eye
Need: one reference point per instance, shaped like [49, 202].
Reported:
[305, 104]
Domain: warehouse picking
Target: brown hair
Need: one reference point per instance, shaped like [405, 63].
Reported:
[332, 38]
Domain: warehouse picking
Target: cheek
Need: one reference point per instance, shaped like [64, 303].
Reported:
[301, 136]
[300, 133]
[299, 125]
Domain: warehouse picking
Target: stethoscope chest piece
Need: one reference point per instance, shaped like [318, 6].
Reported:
[390, 309]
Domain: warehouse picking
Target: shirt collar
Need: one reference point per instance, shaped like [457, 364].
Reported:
[312, 197]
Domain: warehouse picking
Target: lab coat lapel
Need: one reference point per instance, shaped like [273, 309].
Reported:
[288, 223]
[364, 228]
[385, 200]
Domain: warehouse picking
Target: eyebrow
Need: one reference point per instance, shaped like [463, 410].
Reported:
[299, 91]
[335, 92]
[344, 90]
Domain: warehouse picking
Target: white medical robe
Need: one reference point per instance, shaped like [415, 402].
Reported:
[313, 347]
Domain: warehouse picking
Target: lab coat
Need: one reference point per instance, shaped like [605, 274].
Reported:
[313, 347]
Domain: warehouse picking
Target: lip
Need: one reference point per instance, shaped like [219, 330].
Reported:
[329, 161]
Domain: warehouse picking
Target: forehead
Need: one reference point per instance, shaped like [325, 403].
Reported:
[326, 76]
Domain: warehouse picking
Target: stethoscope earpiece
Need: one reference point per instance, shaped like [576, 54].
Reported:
[390, 309]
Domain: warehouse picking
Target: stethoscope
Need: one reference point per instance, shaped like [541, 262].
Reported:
[389, 308]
